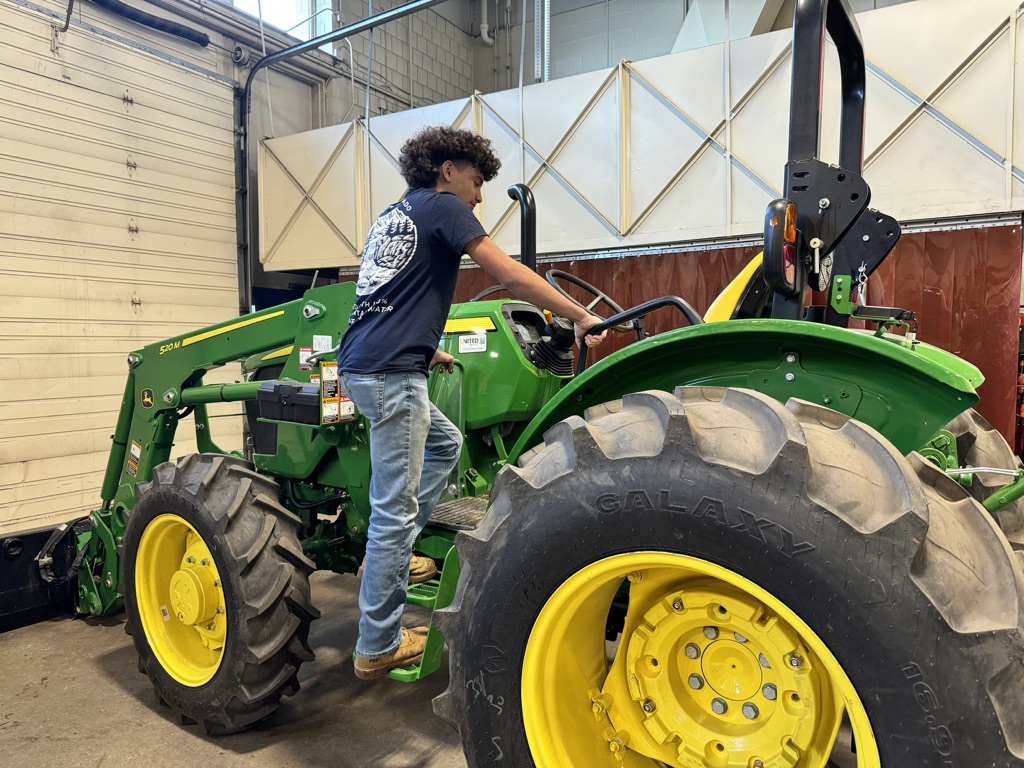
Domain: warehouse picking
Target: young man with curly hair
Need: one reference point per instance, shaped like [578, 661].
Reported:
[405, 289]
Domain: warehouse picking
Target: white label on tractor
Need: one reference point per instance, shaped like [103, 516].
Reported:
[329, 412]
[346, 409]
[166, 614]
[304, 354]
[472, 342]
[134, 454]
[322, 343]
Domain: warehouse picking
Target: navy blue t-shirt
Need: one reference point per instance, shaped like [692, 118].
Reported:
[407, 282]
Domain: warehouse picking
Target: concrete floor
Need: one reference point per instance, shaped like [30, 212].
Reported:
[71, 695]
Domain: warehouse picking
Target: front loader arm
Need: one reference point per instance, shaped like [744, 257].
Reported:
[164, 384]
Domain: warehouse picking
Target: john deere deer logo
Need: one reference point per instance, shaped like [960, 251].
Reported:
[147, 398]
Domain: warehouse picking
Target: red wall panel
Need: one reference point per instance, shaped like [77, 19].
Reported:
[963, 284]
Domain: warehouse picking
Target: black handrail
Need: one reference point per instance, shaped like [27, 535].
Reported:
[640, 310]
[528, 224]
[810, 22]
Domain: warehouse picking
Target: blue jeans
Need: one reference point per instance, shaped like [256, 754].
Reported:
[413, 450]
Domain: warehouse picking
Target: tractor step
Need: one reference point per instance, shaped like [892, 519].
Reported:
[462, 514]
[436, 593]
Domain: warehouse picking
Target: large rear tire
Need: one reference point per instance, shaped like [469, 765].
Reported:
[217, 592]
[785, 570]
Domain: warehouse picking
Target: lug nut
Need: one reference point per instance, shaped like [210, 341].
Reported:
[763, 661]
[739, 638]
[696, 682]
[205, 561]
[750, 711]
[692, 651]
[598, 708]
[770, 691]
[790, 358]
[711, 632]
[190, 559]
[649, 706]
[677, 605]
[718, 706]
[758, 764]
[795, 660]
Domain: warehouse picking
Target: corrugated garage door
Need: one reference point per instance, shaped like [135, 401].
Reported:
[117, 228]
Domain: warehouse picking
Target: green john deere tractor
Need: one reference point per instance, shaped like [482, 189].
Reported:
[740, 544]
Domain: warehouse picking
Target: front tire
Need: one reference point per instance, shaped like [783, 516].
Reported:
[217, 592]
[788, 557]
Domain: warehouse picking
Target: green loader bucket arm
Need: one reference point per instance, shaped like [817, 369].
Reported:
[165, 384]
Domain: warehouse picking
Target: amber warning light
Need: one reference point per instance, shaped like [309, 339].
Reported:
[782, 267]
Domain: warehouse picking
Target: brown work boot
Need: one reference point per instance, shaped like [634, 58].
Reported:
[421, 569]
[408, 653]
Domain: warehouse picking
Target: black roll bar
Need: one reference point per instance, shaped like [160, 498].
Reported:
[810, 22]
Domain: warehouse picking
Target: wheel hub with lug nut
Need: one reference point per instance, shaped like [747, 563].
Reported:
[716, 681]
[647, 701]
[193, 596]
[181, 600]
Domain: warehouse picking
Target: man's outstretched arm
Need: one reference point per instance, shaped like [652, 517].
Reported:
[531, 287]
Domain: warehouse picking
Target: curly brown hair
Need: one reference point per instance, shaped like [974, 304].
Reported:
[424, 154]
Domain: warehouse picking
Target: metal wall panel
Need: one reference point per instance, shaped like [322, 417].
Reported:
[117, 229]
[961, 283]
[692, 145]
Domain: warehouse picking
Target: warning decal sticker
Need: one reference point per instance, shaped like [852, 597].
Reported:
[134, 454]
[334, 405]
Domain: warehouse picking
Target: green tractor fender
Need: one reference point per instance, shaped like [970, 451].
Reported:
[905, 390]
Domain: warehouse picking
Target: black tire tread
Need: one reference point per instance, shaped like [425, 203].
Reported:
[979, 444]
[260, 541]
[953, 552]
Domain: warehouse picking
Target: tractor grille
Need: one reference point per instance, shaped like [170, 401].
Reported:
[459, 514]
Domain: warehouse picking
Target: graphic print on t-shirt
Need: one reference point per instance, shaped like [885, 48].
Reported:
[389, 248]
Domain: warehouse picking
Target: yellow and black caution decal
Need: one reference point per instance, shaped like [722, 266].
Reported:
[134, 454]
[334, 404]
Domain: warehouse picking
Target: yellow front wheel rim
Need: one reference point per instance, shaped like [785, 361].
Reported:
[710, 670]
[180, 599]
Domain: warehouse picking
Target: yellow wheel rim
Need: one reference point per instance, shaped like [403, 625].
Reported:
[180, 600]
[710, 671]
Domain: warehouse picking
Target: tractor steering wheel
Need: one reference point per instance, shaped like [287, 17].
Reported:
[600, 297]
